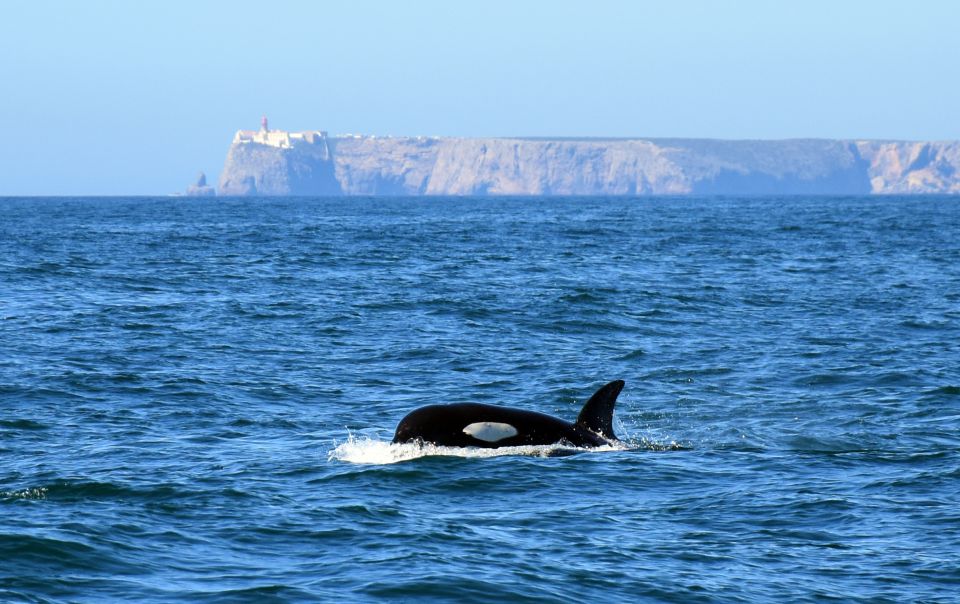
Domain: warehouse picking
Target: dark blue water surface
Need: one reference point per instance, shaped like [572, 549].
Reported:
[196, 399]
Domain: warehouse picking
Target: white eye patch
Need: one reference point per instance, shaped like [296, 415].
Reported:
[490, 432]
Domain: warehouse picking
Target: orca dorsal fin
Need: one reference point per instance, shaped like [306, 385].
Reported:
[597, 413]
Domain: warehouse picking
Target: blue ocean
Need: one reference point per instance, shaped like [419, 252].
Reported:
[197, 399]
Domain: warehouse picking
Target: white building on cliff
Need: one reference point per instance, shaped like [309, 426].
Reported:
[279, 138]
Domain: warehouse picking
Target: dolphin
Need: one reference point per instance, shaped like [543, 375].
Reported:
[489, 426]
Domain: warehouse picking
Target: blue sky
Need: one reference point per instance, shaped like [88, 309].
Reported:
[136, 97]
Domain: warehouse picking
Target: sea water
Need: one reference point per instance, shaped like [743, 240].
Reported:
[197, 398]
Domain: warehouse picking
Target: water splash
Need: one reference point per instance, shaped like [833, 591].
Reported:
[366, 450]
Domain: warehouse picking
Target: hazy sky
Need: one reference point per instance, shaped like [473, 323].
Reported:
[136, 97]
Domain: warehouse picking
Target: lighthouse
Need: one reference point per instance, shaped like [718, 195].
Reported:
[263, 124]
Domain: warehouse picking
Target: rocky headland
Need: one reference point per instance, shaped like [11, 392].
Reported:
[272, 162]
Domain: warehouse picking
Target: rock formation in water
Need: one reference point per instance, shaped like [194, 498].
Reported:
[273, 162]
[200, 188]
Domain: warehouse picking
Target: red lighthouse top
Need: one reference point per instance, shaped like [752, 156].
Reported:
[263, 123]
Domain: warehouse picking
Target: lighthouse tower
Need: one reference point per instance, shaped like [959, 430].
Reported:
[263, 125]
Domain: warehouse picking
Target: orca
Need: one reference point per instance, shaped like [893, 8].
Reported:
[489, 426]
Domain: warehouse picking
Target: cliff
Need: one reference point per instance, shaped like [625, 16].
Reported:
[311, 163]
[279, 165]
[911, 167]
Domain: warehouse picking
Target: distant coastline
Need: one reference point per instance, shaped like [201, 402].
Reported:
[276, 162]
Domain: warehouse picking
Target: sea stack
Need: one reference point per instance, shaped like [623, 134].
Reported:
[200, 188]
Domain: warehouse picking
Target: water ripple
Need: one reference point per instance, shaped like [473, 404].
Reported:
[197, 398]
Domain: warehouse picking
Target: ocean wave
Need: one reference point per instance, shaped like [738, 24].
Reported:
[18, 546]
[22, 424]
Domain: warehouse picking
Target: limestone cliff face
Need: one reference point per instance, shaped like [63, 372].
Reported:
[905, 167]
[384, 166]
[259, 169]
[800, 166]
[356, 165]
[553, 167]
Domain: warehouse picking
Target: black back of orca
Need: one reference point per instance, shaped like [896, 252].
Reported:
[489, 426]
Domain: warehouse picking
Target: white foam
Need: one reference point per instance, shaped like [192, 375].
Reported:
[32, 493]
[366, 450]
